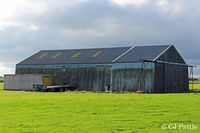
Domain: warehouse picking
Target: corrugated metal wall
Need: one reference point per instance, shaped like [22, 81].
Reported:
[159, 78]
[171, 78]
[132, 76]
[90, 77]
[171, 73]
[148, 76]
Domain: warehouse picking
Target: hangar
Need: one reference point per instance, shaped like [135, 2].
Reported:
[156, 69]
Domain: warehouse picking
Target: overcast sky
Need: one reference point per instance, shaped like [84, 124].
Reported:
[27, 26]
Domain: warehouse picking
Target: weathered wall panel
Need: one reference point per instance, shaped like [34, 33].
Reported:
[138, 76]
[90, 77]
[132, 76]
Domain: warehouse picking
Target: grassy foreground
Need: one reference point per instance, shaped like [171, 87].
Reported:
[97, 112]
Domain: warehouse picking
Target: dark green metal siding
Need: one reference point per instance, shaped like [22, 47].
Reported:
[84, 77]
[171, 72]
[159, 78]
[171, 78]
[171, 55]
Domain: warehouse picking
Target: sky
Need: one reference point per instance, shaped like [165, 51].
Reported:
[28, 26]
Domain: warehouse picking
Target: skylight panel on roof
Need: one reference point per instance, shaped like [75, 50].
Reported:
[96, 54]
[76, 54]
[41, 56]
[56, 55]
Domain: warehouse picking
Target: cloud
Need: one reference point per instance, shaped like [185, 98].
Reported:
[123, 3]
[168, 7]
[34, 28]
[171, 8]
[32, 25]
[10, 11]
[5, 69]
[6, 24]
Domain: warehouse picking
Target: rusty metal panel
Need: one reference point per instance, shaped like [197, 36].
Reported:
[132, 76]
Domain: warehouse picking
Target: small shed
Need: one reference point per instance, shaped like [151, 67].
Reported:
[156, 69]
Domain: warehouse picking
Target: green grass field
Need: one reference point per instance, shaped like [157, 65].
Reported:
[195, 81]
[96, 112]
[1, 86]
[195, 86]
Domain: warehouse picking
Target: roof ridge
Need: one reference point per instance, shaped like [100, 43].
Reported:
[84, 48]
[162, 52]
[123, 54]
[102, 48]
[152, 45]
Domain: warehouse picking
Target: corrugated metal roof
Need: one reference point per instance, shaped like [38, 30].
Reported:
[97, 55]
[139, 53]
